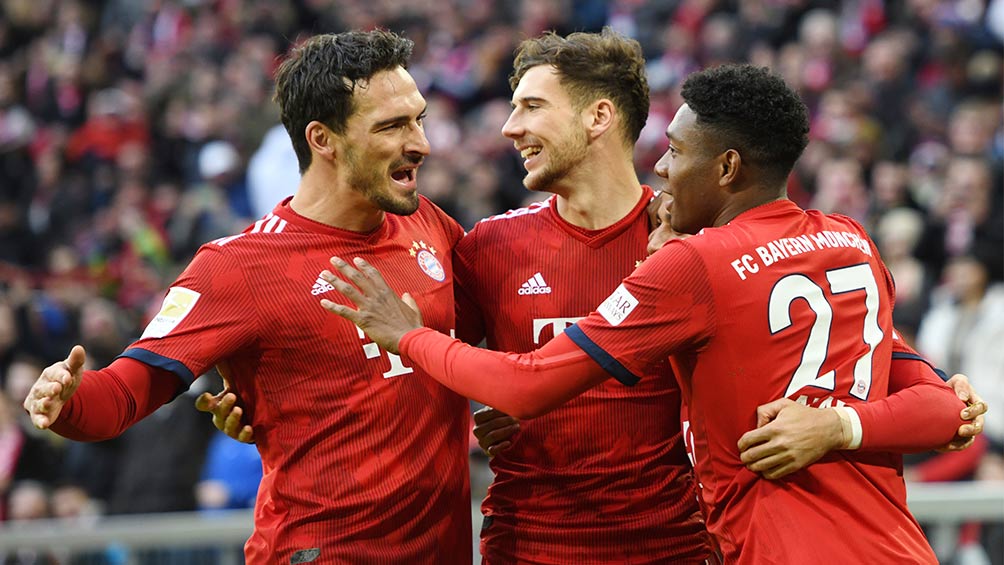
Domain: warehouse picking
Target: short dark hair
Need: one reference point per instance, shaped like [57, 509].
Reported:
[318, 78]
[753, 111]
[593, 66]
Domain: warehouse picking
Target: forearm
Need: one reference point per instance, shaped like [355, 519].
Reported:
[110, 400]
[524, 386]
[923, 414]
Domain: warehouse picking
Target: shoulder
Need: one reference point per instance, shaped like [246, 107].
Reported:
[429, 212]
[518, 216]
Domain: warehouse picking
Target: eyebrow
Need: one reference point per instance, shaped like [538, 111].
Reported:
[398, 119]
[527, 100]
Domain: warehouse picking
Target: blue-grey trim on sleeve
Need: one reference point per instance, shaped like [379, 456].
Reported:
[913, 357]
[604, 359]
[159, 361]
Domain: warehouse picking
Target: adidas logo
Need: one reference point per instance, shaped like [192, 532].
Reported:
[535, 285]
[320, 287]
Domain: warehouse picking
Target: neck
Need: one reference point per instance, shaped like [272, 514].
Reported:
[324, 199]
[748, 198]
[596, 197]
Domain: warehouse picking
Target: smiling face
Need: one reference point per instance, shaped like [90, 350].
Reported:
[384, 142]
[546, 129]
[692, 170]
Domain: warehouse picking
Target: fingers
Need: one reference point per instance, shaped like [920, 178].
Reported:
[958, 444]
[363, 276]
[232, 424]
[47, 396]
[373, 275]
[753, 437]
[225, 405]
[76, 359]
[767, 412]
[350, 292]
[488, 413]
[206, 402]
[963, 389]
[975, 410]
[246, 435]
[494, 450]
[972, 429]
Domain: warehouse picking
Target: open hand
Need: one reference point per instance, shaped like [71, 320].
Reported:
[54, 387]
[226, 414]
[379, 312]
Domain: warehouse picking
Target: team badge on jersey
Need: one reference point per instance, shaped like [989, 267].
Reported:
[426, 256]
[177, 304]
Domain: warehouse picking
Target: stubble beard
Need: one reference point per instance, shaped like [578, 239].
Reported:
[375, 187]
[562, 159]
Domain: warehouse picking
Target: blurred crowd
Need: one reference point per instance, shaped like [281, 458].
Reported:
[132, 131]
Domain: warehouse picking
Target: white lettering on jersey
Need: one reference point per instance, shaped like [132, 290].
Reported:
[177, 304]
[617, 306]
[558, 326]
[373, 351]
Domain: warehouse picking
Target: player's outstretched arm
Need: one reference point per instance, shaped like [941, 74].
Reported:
[97, 405]
[54, 387]
[521, 385]
[494, 430]
[227, 414]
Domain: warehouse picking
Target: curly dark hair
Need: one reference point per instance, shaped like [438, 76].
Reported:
[593, 66]
[753, 111]
[317, 79]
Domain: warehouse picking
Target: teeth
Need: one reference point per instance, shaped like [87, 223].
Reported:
[529, 152]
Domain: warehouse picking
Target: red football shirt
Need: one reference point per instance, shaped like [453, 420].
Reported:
[604, 478]
[779, 302]
[362, 460]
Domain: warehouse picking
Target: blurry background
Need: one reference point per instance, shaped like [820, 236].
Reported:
[132, 131]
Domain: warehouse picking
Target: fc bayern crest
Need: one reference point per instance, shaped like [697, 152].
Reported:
[431, 266]
[426, 255]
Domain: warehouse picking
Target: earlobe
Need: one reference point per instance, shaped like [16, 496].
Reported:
[731, 162]
[320, 139]
[601, 118]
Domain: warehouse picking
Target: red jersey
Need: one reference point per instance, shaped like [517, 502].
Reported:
[604, 478]
[779, 302]
[363, 461]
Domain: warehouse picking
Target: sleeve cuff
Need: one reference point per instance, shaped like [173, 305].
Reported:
[850, 416]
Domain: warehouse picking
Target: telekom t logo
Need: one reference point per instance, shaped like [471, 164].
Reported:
[397, 367]
[558, 326]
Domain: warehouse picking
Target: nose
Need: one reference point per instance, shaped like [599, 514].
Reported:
[418, 143]
[512, 128]
[662, 165]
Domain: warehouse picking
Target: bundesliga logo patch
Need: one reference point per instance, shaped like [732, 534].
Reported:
[426, 257]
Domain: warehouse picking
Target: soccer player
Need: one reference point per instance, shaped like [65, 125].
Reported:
[604, 478]
[341, 482]
[765, 301]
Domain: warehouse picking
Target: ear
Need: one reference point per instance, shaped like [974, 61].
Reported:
[321, 139]
[599, 117]
[730, 163]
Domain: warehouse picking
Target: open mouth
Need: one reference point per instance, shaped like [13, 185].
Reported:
[403, 175]
[530, 152]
